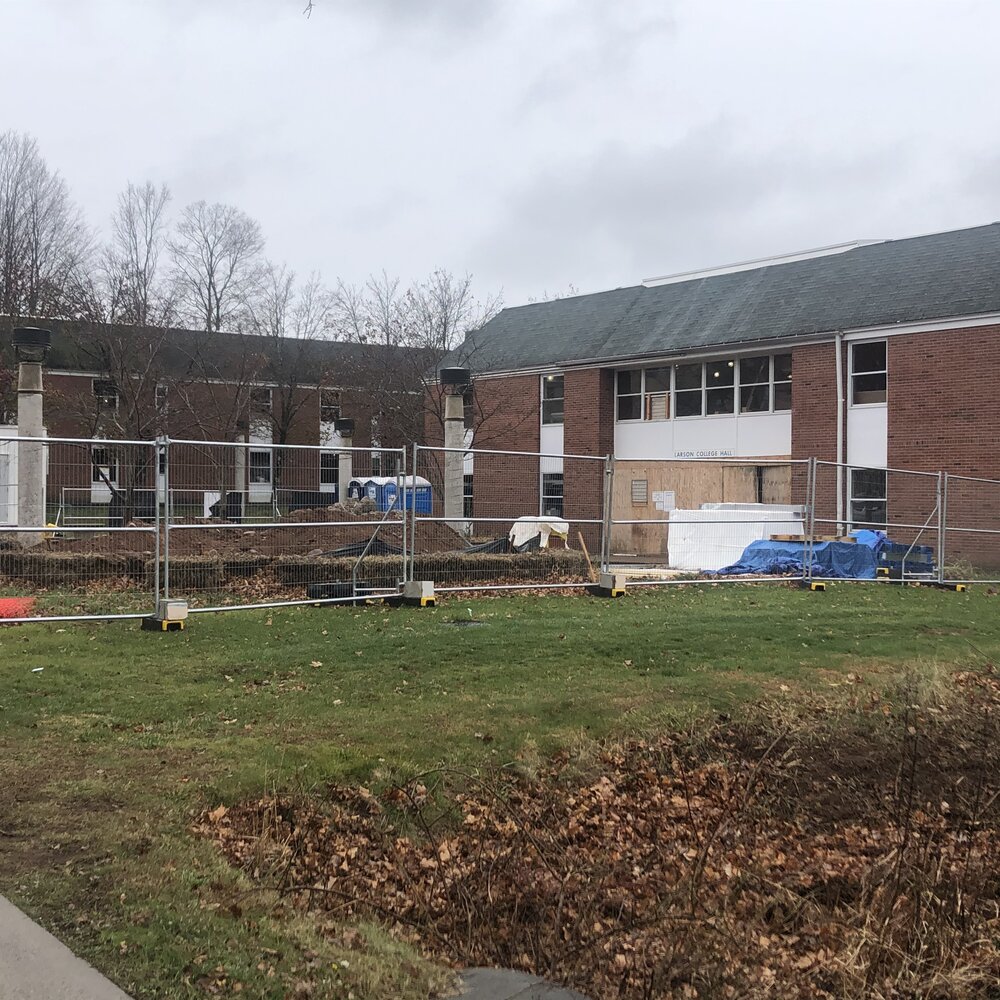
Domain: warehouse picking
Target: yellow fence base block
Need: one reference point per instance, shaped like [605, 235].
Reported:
[419, 594]
[611, 584]
[170, 616]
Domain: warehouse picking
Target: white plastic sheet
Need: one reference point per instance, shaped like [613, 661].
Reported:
[711, 539]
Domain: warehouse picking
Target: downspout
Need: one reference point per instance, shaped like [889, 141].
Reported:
[839, 347]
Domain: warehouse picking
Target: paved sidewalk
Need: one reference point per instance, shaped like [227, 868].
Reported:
[35, 966]
[505, 984]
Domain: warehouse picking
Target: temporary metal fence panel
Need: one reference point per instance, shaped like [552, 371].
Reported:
[257, 524]
[504, 519]
[79, 528]
[970, 538]
[904, 505]
[679, 521]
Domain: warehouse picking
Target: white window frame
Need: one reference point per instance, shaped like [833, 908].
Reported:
[103, 397]
[324, 405]
[325, 487]
[542, 494]
[731, 361]
[251, 467]
[161, 396]
[852, 498]
[551, 377]
[734, 360]
[851, 374]
[258, 409]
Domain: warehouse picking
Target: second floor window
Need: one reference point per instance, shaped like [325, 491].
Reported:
[552, 399]
[106, 394]
[260, 400]
[869, 373]
[329, 406]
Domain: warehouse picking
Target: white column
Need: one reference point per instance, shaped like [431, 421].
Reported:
[30, 454]
[454, 467]
[345, 465]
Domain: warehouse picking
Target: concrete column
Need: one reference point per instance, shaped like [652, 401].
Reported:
[30, 454]
[454, 466]
[345, 465]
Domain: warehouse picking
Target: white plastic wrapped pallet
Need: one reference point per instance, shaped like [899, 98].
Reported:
[710, 539]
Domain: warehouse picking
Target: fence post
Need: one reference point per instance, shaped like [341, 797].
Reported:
[606, 518]
[401, 499]
[942, 522]
[810, 519]
[156, 524]
[413, 516]
[165, 442]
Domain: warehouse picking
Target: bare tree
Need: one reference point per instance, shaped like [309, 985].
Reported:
[293, 318]
[43, 239]
[131, 261]
[378, 312]
[435, 316]
[216, 255]
[445, 309]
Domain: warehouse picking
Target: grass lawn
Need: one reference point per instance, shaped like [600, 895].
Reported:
[113, 739]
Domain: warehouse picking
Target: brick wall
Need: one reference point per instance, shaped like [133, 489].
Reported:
[944, 413]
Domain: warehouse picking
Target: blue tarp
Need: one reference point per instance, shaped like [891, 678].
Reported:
[839, 560]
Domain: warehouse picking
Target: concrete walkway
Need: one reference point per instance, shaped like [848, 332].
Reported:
[505, 984]
[35, 966]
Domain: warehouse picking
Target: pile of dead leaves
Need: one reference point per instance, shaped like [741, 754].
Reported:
[716, 867]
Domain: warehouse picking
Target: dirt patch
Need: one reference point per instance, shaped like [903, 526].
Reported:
[835, 857]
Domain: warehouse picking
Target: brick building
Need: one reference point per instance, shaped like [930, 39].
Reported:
[881, 355]
[272, 395]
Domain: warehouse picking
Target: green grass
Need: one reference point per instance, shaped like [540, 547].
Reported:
[123, 736]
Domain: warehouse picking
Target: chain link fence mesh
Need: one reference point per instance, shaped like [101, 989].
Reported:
[495, 519]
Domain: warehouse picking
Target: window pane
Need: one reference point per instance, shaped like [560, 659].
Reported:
[552, 411]
[720, 400]
[552, 494]
[783, 395]
[869, 357]
[868, 484]
[329, 467]
[868, 513]
[467, 496]
[687, 404]
[630, 381]
[718, 373]
[754, 398]
[629, 407]
[658, 406]
[657, 380]
[552, 387]
[869, 388]
[688, 377]
[753, 370]
[782, 367]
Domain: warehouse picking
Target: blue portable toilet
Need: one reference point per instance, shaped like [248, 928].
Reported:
[384, 491]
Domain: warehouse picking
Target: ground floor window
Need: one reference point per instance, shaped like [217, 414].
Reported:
[329, 471]
[104, 465]
[260, 467]
[552, 494]
[869, 502]
[467, 495]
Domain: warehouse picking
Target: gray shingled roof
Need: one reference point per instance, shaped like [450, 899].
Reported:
[897, 281]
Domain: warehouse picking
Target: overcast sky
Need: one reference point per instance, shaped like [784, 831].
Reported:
[535, 143]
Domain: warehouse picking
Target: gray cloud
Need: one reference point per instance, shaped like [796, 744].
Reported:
[533, 143]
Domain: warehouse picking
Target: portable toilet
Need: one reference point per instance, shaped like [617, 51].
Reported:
[384, 491]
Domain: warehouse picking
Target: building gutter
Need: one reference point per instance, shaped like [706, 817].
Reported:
[839, 361]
